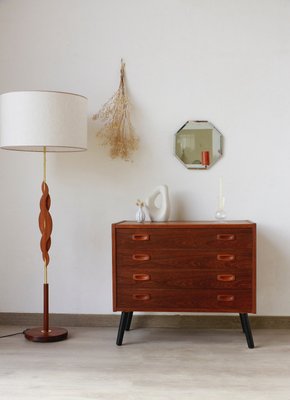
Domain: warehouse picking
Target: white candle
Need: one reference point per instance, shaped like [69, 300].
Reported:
[221, 195]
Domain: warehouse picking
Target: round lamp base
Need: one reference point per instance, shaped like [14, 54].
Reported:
[40, 335]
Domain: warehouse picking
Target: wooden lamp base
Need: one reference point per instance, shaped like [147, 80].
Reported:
[40, 335]
[46, 334]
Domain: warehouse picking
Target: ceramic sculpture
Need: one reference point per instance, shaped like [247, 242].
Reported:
[162, 211]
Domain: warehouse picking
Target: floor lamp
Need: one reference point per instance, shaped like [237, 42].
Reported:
[43, 121]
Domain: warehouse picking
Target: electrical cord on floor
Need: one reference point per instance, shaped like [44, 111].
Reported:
[13, 334]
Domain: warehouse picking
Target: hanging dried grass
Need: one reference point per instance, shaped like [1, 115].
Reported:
[118, 132]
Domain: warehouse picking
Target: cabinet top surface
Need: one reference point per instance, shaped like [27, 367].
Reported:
[185, 224]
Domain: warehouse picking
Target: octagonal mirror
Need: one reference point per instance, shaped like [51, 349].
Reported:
[198, 145]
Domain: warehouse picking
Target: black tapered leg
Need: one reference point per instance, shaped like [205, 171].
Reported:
[247, 330]
[129, 320]
[242, 323]
[122, 327]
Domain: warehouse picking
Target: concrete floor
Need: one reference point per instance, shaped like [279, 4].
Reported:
[155, 364]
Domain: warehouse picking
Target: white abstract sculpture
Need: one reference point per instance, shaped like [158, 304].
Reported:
[158, 213]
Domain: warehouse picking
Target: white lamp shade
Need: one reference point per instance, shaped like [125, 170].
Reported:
[32, 120]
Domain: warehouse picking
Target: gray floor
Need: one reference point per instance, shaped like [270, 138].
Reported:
[152, 364]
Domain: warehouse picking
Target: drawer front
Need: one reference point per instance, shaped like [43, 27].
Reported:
[185, 238]
[164, 259]
[214, 300]
[194, 269]
[156, 278]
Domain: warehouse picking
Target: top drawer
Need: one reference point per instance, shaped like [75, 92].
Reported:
[205, 239]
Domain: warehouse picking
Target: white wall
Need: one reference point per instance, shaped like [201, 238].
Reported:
[224, 61]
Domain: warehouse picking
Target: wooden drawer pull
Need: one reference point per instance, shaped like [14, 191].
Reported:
[225, 297]
[141, 277]
[140, 236]
[226, 278]
[142, 297]
[225, 236]
[225, 257]
[141, 257]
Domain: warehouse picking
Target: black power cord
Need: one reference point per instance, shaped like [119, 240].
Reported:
[13, 334]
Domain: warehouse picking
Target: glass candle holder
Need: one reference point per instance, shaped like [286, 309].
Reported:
[220, 215]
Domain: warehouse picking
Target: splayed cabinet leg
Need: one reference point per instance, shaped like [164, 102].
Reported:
[122, 326]
[129, 320]
[247, 330]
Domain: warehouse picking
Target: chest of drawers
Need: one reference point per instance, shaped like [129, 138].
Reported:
[184, 267]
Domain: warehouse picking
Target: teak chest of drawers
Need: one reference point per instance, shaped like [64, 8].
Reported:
[184, 267]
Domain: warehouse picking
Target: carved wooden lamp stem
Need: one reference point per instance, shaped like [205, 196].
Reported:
[45, 226]
[45, 334]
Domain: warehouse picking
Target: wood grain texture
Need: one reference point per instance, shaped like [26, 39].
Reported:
[192, 266]
[179, 300]
[187, 238]
[183, 259]
[45, 223]
[176, 363]
[184, 279]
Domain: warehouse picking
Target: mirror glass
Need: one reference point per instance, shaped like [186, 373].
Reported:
[198, 144]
